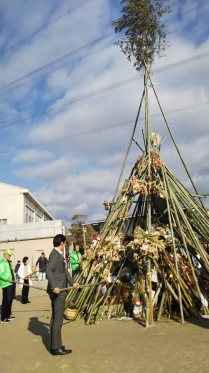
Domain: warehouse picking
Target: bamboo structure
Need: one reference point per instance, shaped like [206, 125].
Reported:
[155, 266]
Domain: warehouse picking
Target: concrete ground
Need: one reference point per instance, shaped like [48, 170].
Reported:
[110, 346]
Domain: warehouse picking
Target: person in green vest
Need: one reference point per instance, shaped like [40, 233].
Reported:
[75, 260]
[7, 276]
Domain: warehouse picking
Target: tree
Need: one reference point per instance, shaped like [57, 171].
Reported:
[145, 33]
[77, 229]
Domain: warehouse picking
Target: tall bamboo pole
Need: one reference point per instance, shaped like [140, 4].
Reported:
[129, 147]
[186, 248]
[149, 312]
[174, 246]
[171, 134]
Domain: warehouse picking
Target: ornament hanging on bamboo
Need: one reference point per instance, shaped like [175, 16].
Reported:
[106, 205]
[137, 308]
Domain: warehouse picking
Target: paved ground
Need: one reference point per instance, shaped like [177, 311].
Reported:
[110, 346]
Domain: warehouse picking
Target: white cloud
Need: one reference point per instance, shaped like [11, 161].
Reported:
[31, 156]
[55, 170]
[77, 174]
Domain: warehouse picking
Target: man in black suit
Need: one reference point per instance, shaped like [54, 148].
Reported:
[58, 278]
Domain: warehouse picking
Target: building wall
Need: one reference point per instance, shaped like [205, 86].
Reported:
[30, 239]
[11, 204]
[29, 231]
[30, 248]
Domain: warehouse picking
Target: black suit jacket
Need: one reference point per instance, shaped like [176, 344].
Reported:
[57, 274]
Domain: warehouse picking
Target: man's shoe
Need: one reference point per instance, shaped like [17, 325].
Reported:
[28, 301]
[11, 318]
[6, 321]
[61, 351]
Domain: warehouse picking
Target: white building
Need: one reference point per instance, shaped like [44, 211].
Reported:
[26, 227]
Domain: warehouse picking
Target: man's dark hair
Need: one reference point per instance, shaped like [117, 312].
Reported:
[58, 239]
[25, 259]
[18, 261]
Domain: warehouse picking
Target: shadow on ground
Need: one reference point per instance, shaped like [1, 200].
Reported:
[19, 298]
[204, 324]
[40, 328]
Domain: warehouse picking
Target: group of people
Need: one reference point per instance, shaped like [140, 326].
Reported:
[58, 278]
[21, 274]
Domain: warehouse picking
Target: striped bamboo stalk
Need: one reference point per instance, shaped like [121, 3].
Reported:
[93, 305]
[188, 196]
[170, 288]
[171, 134]
[161, 305]
[185, 245]
[192, 235]
[173, 241]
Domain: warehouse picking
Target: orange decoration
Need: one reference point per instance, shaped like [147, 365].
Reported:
[108, 245]
[122, 216]
[100, 248]
[107, 302]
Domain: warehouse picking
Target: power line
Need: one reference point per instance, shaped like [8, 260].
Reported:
[46, 26]
[184, 108]
[188, 11]
[56, 20]
[55, 69]
[60, 58]
[177, 2]
[98, 91]
[69, 54]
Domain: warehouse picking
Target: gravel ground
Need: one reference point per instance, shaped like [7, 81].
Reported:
[110, 346]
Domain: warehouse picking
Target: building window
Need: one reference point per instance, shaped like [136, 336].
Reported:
[29, 214]
[38, 218]
[3, 221]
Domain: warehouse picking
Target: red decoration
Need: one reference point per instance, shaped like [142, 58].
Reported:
[98, 238]
[138, 303]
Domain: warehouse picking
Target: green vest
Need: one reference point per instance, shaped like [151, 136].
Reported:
[5, 273]
[74, 257]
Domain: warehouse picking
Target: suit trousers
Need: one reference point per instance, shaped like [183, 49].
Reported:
[58, 308]
[6, 305]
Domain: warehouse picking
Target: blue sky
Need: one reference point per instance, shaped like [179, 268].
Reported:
[77, 174]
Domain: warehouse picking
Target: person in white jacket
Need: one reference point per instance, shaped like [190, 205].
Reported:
[23, 273]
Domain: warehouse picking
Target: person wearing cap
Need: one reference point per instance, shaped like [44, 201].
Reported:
[7, 277]
[42, 262]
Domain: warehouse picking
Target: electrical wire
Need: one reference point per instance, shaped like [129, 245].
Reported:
[177, 2]
[188, 11]
[184, 108]
[45, 26]
[61, 58]
[98, 91]
[55, 69]
[69, 54]
[34, 33]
